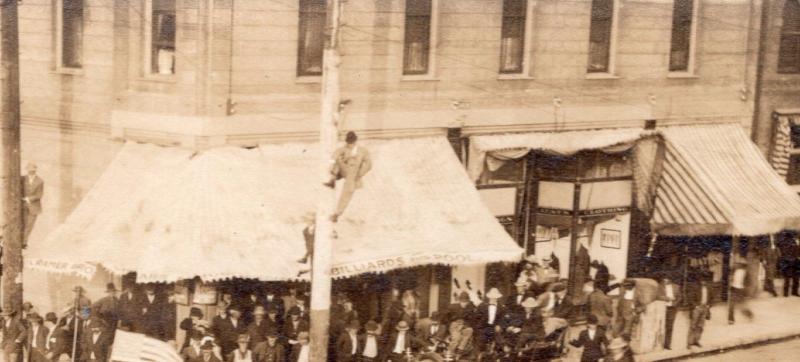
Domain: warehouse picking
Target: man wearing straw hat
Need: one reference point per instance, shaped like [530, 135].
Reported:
[32, 191]
[401, 341]
[490, 316]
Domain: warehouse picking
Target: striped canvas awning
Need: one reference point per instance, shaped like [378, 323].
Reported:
[715, 181]
[170, 214]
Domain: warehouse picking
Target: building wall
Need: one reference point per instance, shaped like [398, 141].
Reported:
[778, 91]
[74, 122]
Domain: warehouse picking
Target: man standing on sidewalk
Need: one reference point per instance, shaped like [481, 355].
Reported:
[697, 298]
[670, 294]
[790, 250]
[739, 293]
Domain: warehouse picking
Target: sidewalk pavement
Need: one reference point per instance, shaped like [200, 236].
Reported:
[775, 318]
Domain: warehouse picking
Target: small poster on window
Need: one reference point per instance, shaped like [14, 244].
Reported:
[611, 238]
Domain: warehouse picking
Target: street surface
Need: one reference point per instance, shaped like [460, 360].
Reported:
[783, 351]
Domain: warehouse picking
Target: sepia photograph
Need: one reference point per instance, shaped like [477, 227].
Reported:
[399, 180]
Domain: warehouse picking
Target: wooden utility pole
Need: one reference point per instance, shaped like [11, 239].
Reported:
[11, 199]
[324, 233]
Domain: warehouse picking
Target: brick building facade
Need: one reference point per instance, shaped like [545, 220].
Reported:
[202, 73]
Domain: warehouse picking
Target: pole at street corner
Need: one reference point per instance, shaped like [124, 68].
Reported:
[10, 158]
[324, 233]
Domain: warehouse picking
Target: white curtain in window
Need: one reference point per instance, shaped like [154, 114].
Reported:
[511, 53]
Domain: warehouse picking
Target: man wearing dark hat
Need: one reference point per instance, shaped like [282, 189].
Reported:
[36, 341]
[347, 346]
[228, 330]
[206, 353]
[462, 309]
[96, 344]
[628, 310]
[150, 308]
[401, 341]
[350, 162]
[188, 325]
[593, 340]
[294, 326]
[193, 343]
[56, 342]
[698, 297]
[107, 308]
[371, 349]
[127, 307]
[269, 350]
[14, 334]
[431, 329]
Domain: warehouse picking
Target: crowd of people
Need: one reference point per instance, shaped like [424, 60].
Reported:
[262, 325]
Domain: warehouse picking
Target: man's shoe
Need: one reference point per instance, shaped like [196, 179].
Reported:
[330, 184]
[698, 345]
[334, 218]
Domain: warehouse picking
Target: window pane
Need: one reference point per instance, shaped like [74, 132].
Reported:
[72, 33]
[789, 54]
[311, 40]
[510, 172]
[793, 177]
[512, 44]
[681, 35]
[163, 37]
[600, 36]
[417, 37]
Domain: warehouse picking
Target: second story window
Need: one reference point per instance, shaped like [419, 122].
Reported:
[71, 33]
[789, 54]
[601, 36]
[417, 45]
[311, 40]
[162, 37]
[681, 53]
[512, 44]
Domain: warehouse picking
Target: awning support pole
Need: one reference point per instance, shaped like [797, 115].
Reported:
[11, 198]
[328, 136]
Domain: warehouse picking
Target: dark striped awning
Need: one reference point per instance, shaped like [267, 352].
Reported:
[715, 181]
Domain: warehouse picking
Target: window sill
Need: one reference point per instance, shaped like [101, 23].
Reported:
[308, 79]
[601, 76]
[69, 71]
[514, 77]
[682, 75]
[160, 78]
[419, 78]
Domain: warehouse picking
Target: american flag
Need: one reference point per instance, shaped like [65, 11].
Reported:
[135, 347]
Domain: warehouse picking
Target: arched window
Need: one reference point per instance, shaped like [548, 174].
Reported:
[789, 54]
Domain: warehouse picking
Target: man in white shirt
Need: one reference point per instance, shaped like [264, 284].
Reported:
[491, 313]
[400, 342]
[371, 351]
[739, 293]
[671, 295]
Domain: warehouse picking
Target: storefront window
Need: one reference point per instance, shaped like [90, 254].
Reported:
[510, 172]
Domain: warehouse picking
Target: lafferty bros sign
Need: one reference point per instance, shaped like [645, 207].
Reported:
[405, 261]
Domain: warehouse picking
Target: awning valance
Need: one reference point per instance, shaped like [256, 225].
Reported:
[170, 214]
[567, 143]
[714, 180]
